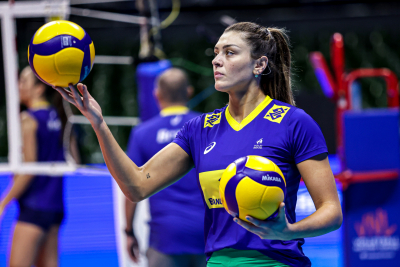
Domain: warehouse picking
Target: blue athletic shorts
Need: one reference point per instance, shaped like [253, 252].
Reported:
[43, 219]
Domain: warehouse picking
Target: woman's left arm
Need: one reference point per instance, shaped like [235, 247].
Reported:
[321, 185]
[22, 181]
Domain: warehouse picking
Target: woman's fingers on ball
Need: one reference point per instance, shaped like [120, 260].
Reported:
[76, 95]
[65, 95]
[86, 96]
[281, 213]
[254, 221]
[80, 87]
[83, 90]
[248, 226]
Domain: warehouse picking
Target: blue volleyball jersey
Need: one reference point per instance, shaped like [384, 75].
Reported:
[275, 130]
[177, 212]
[45, 192]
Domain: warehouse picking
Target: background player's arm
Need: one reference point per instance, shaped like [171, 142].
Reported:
[137, 183]
[22, 181]
[130, 209]
[132, 244]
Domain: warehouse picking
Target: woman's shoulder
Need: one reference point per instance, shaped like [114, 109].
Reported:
[295, 115]
[28, 122]
[199, 120]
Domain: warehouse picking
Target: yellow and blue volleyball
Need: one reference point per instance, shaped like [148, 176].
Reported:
[254, 186]
[60, 53]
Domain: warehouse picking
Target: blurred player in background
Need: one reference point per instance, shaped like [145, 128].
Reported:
[177, 212]
[40, 197]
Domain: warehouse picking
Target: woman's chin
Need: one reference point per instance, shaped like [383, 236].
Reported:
[221, 87]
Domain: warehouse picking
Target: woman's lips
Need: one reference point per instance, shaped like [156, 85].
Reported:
[218, 74]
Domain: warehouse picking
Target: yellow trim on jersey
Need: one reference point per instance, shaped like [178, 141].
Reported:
[40, 105]
[174, 110]
[238, 126]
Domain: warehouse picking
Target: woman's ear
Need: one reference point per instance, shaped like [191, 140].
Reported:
[261, 65]
[190, 91]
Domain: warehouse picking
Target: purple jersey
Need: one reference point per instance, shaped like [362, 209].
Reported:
[177, 212]
[275, 130]
[44, 192]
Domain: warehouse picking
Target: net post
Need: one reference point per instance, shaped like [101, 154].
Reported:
[11, 82]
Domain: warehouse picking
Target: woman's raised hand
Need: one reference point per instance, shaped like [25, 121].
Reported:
[85, 103]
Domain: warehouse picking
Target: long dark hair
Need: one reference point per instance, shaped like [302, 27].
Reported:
[274, 44]
[55, 100]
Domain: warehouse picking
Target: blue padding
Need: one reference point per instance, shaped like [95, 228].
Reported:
[146, 74]
[372, 139]
[87, 235]
[325, 250]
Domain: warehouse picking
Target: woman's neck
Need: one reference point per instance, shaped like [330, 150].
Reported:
[242, 103]
[37, 103]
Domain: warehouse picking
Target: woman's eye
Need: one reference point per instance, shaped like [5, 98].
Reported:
[229, 53]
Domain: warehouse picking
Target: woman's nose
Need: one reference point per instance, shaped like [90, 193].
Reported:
[217, 61]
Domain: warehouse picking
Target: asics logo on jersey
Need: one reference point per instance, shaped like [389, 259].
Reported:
[271, 178]
[209, 147]
[276, 113]
[212, 119]
[259, 142]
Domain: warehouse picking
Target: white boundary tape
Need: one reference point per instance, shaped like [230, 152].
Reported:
[140, 225]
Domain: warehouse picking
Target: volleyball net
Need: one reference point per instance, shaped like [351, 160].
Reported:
[91, 174]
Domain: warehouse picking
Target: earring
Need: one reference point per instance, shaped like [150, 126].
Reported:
[256, 75]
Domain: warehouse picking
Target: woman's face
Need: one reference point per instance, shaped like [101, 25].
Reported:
[26, 85]
[232, 64]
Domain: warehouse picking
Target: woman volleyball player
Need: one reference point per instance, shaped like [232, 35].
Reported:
[40, 197]
[252, 64]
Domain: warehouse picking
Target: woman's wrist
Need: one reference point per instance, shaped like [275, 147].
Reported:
[129, 232]
[101, 125]
[291, 232]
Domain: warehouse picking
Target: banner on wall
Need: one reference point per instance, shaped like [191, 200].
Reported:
[376, 237]
[372, 224]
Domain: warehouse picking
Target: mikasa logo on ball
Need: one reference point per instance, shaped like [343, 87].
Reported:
[271, 178]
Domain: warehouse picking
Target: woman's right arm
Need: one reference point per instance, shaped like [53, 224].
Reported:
[137, 183]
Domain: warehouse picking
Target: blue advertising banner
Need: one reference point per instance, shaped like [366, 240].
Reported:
[371, 225]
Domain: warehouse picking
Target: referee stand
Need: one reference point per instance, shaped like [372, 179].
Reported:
[368, 146]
